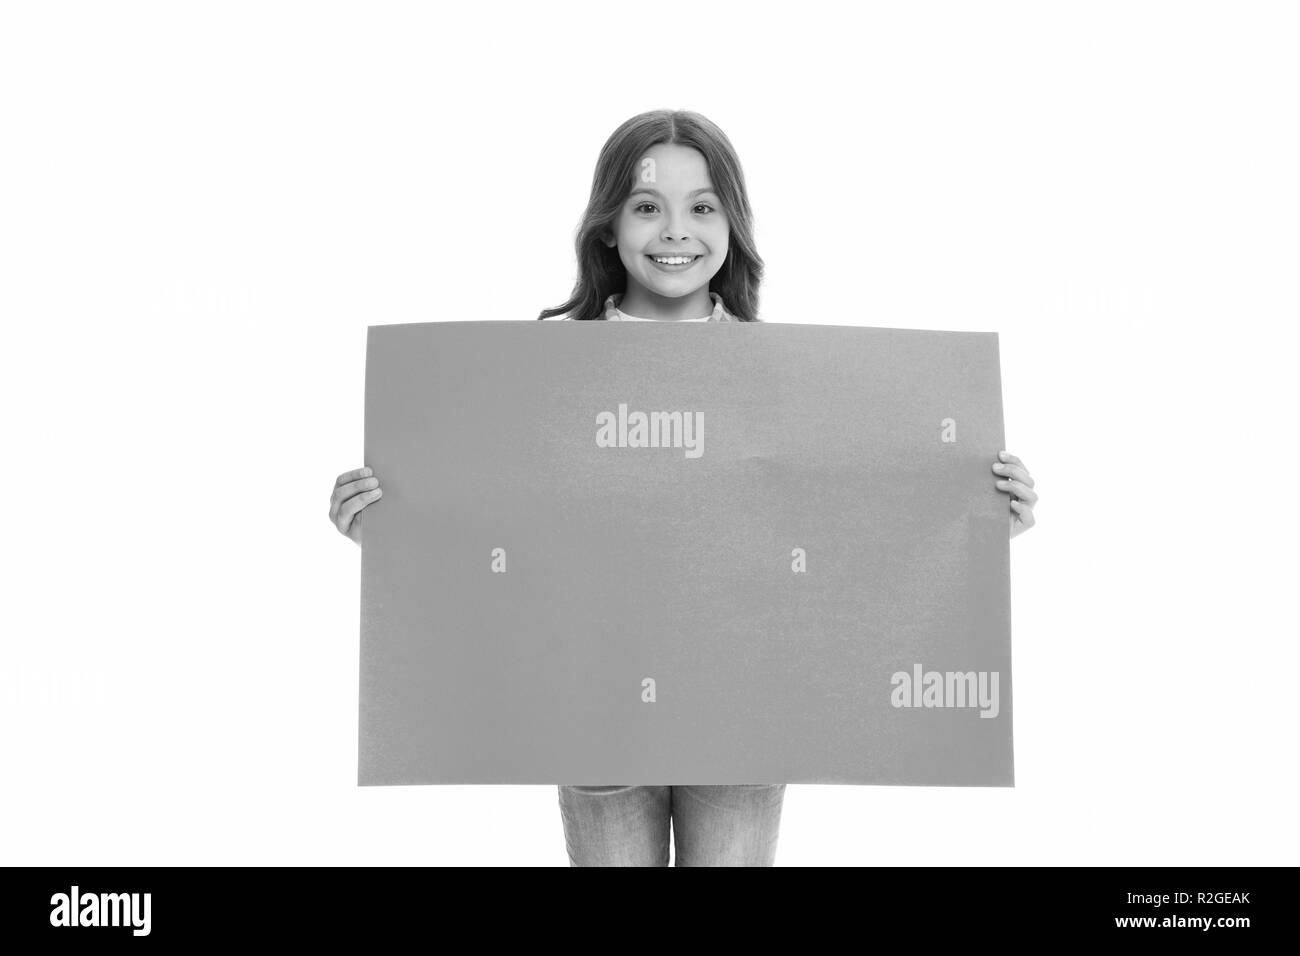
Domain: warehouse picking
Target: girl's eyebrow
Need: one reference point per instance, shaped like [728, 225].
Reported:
[655, 192]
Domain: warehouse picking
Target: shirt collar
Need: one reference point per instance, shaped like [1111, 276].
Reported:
[720, 313]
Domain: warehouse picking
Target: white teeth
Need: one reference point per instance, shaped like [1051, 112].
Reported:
[673, 260]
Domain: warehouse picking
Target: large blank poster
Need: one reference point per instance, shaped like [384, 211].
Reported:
[658, 553]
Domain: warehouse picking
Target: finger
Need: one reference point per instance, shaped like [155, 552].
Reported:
[1014, 471]
[336, 497]
[343, 492]
[348, 476]
[352, 507]
[1010, 459]
[1019, 489]
[1024, 512]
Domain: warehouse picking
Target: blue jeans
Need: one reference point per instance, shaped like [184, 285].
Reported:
[733, 825]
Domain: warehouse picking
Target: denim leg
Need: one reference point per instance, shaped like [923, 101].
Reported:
[731, 825]
[615, 826]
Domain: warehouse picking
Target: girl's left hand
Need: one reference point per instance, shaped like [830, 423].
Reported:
[1017, 482]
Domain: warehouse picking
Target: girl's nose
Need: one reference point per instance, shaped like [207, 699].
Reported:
[673, 229]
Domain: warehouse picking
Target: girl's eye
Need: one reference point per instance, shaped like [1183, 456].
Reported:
[650, 207]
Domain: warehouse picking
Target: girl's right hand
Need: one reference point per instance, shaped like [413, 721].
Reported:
[353, 490]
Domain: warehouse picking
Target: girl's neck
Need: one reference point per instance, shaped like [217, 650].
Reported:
[645, 304]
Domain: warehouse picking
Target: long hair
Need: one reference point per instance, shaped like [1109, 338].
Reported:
[600, 270]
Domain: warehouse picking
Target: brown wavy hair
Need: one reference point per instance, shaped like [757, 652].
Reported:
[600, 271]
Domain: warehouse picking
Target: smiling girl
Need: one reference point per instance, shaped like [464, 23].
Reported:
[667, 236]
[668, 232]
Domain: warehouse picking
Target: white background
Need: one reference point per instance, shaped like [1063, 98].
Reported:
[204, 206]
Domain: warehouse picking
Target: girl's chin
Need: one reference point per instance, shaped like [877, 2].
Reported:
[676, 286]
[670, 290]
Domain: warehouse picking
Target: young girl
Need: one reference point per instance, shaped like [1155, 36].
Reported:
[667, 236]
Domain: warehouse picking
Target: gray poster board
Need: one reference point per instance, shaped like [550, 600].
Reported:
[809, 560]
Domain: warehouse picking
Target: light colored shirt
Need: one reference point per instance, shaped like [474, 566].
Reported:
[614, 314]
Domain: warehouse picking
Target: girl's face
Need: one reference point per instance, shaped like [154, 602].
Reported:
[672, 212]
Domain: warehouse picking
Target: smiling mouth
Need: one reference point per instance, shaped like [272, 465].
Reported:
[673, 260]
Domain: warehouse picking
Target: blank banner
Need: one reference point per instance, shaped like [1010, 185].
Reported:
[666, 553]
